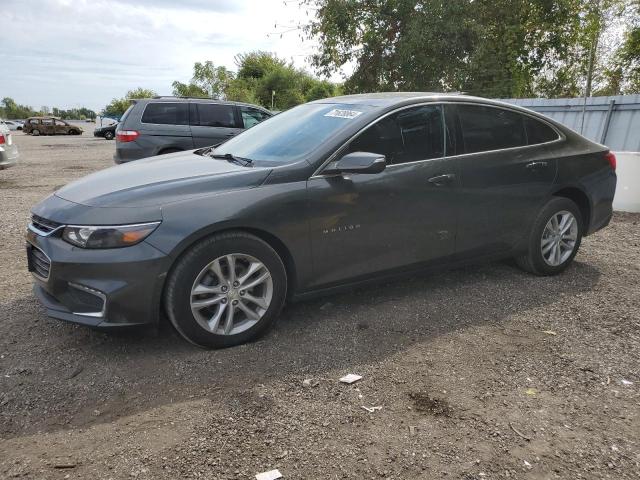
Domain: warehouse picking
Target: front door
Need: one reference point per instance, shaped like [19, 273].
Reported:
[62, 128]
[366, 223]
[213, 123]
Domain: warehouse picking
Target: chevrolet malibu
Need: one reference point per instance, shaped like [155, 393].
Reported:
[326, 195]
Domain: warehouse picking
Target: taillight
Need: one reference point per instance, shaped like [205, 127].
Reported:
[611, 158]
[127, 135]
[2, 139]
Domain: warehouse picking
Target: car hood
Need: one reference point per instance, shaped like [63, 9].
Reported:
[159, 180]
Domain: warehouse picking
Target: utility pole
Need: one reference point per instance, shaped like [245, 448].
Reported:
[273, 96]
[592, 57]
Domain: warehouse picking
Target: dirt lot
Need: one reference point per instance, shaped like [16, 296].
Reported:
[481, 373]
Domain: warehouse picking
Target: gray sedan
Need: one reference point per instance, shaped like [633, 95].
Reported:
[323, 196]
[8, 149]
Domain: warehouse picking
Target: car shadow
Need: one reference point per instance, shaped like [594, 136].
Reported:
[71, 371]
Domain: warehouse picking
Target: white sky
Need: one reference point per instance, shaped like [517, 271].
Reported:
[72, 53]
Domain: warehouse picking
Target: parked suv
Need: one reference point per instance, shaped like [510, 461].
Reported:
[155, 126]
[50, 126]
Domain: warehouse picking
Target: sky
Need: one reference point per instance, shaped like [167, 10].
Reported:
[73, 53]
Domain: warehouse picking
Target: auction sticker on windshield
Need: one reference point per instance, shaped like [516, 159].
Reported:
[349, 114]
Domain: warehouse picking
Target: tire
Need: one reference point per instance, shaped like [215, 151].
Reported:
[35, 132]
[196, 269]
[108, 136]
[74, 132]
[545, 254]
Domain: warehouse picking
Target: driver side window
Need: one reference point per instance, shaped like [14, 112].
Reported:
[409, 135]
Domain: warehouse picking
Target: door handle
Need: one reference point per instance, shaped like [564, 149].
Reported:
[229, 134]
[442, 179]
[536, 165]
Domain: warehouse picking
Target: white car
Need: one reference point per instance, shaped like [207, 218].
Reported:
[8, 149]
[13, 124]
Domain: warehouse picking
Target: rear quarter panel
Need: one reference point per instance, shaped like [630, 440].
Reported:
[582, 165]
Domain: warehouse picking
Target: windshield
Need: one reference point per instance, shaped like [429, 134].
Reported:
[292, 135]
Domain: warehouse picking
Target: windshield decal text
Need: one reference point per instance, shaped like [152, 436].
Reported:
[348, 114]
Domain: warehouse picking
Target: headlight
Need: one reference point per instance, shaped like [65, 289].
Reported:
[112, 236]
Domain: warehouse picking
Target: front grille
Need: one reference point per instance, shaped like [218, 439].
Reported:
[43, 225]
[40, 263]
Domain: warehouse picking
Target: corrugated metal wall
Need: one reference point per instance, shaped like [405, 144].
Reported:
[613, 121]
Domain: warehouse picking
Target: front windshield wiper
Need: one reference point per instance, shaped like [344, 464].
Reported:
[247, 162]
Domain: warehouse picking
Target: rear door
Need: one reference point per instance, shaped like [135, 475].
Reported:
[213, 123]
[48, 126]
[506, 172]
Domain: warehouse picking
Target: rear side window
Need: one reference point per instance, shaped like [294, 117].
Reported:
[166, 113]
[126, 113]
[34, 121]
[252, 116]
[406, 136]
[215, 115]
[489, 128]
[538, 132]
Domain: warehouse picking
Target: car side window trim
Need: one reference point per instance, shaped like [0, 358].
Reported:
[332, 157]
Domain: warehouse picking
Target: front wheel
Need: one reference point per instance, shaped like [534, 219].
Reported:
[35, 132]
[554, 239]
[108, 136]
[226, 290]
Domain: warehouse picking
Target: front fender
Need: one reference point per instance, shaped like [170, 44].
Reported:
[278, 210]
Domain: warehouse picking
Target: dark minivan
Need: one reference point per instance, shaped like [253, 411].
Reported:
[155, 126]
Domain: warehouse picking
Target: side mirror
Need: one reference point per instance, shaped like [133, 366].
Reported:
[361, 162]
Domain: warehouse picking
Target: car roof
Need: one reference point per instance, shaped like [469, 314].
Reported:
[385, 99]
[170, 98]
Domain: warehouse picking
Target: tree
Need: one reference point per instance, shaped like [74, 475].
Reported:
[207, 81]
[495, 48]
[259, 74]
[118, 106]
[11, 110]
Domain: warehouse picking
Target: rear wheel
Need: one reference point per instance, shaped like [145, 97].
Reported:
[554, 239]
[108, 136]
[35, 132]
[226, 290]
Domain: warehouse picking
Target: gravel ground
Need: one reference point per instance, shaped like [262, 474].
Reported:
[481, 373]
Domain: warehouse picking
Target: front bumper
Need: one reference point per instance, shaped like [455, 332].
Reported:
[105, 288]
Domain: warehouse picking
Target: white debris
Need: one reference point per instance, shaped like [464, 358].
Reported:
[626, 382]
[371, 409]
[527, 464]
[270, 475]
[351, 378]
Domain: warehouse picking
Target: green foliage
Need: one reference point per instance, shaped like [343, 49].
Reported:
[188, 90]
[118, 106]
[9, 109]
[207, 81]
[259, 75]
[494, 48]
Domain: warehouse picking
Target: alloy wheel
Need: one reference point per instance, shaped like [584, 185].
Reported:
[231, 294]
[559, 238]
